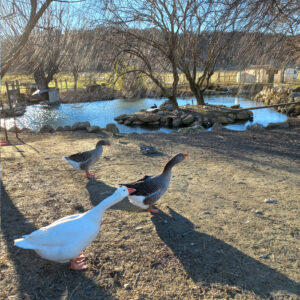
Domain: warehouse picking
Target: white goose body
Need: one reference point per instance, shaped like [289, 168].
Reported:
[64, 239]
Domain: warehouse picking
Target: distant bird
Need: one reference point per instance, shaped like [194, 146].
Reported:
[63, 240]
[84, 160]
[150, 189]
[154, 106]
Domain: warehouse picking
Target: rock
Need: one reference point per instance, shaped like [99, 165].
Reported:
[235, 106]
[121, 117]
[291, 109]
[59, 128]
[293, 121]
[46, 129]
[120, 121]
[127, 286]
[191, 129]
[127, 122]
[189, 119]
[166, 121]
[277, 125]
[147, 150]
[154, 123]
[255, 127]
[270, 201]
[266, 256]
[112, 128]
[243, 115]
[148, 118]
[93, 129]
[217, 127]
[137, 123]
[222, 120]
[259, 212]
[176, 122]
[80, 125]
[161, 113]
[206, 213]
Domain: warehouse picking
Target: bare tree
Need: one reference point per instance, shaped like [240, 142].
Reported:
[18, 20]
[148, 38]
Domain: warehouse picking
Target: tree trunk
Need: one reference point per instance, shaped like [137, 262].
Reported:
[199, 97]
[173, 101]
[75, 75]
[40, 79]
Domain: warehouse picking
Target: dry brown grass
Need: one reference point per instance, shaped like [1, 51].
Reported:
[182, 253]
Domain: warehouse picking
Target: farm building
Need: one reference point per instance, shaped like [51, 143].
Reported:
[266, 74]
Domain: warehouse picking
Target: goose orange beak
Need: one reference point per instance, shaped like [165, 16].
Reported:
[185, 155]
[130, 191]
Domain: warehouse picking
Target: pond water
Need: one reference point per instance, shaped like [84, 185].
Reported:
[101, 113]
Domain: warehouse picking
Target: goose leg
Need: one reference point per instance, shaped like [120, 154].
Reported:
[78, 263]
[89, 175]
[152, 210]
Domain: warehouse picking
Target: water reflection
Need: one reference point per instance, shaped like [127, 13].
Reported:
[102, 112]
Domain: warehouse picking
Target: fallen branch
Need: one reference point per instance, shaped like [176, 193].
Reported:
[267, 106]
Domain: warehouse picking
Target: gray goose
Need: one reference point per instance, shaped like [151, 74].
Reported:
[149, 189]
[83, 161]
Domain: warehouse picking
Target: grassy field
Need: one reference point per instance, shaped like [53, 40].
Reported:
[66, 81]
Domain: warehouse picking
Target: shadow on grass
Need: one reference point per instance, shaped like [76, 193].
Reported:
[38, 278]
[98, 191]
[210, 260]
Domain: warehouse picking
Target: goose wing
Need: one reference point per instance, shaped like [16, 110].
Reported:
[151, 188]
[81, 156]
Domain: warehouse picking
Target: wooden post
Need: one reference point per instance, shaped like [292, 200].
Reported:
[18, 88]
[14, 94]
[66, 84]
[12, 109]
[61, 85]
[56, 84]
[5, 129]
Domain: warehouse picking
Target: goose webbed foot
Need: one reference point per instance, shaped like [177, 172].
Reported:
[89, 175]
[78, 263]
[152, 210]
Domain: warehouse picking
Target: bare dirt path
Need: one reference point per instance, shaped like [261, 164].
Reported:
[215, 236]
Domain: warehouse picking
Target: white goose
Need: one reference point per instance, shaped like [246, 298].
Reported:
[63, 240]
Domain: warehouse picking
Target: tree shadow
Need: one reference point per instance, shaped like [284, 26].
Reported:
[210, 260]
[38, 278]
[98, 191]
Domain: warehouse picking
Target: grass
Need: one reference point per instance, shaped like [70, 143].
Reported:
[66, 81]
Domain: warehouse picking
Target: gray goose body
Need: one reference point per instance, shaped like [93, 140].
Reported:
[83, 161]
[150, 189]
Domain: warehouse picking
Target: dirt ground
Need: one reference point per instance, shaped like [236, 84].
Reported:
[214, 238]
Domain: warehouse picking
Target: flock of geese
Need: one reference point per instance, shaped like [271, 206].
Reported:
[65, 239]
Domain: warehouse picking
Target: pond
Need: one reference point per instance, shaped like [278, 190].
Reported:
[101, 113]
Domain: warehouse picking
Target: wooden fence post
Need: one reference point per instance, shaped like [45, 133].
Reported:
[66, 84]
[18, 88]
[12, 109]
[56, 84]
